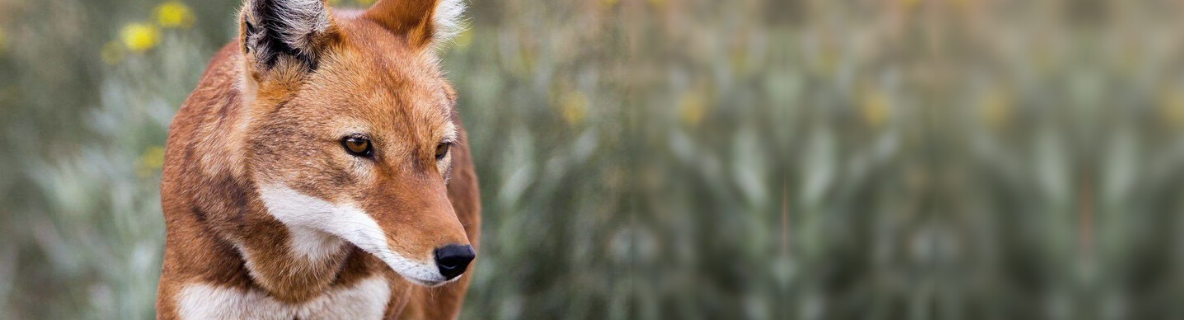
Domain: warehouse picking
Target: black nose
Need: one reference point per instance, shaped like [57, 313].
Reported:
[453, 259]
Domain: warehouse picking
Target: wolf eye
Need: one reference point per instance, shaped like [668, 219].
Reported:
[442, 150]
[358, 146]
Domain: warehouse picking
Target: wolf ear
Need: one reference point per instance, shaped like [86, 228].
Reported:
[423, 22]
[275, 31]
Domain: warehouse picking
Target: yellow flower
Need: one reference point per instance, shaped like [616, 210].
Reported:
[692, 107]
[112, 53]
[153, 157]
[828, 59]
[995, 108]
[573, 106]
[739, 60]
[139, 37]
[874, 107]
[151, 160]
[174, 14]
[1171, 108]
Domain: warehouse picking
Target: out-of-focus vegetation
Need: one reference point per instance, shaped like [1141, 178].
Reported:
[678, 159]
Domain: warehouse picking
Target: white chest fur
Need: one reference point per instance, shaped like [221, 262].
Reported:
[364, 300]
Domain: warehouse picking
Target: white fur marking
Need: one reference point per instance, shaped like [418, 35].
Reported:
[365, 300]
[314, 244]
[450, 132]
[302, 213]
[447, 20]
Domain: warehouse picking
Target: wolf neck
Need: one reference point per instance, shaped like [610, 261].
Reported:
[293, 264]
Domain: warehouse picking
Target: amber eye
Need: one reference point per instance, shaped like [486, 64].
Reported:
[442, 150]
[358, 146]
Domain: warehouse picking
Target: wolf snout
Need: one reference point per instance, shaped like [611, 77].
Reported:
[453, 259]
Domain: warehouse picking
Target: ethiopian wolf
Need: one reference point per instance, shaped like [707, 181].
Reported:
[320, 171]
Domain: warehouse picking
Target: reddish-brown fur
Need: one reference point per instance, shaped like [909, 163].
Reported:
[284, 124]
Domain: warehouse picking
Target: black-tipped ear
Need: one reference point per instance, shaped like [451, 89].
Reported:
[273, 30]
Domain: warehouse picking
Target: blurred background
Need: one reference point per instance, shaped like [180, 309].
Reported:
[678, 159]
